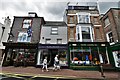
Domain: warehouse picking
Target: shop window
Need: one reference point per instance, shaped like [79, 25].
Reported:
[110, 37]
[59, 41]
[46, 53]
[27, 23]
[47, 41]
[23, 37]
[88, 56]
[106, 21]
[63, 57]
[83, 19]
[25, 57]
[54, 30]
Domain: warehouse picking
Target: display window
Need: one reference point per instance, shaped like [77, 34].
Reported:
[21, 57]
[50, 54]
[88, 55]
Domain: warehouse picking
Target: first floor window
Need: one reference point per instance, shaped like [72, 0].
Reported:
[110, 37]
[23, 37]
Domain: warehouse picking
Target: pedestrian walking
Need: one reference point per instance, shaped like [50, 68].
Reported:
[44, 64]
[56, 63]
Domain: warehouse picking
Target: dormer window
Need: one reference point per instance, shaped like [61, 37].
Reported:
[27, 23]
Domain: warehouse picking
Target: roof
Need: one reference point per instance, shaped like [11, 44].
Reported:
[55, 23]
[103, 15]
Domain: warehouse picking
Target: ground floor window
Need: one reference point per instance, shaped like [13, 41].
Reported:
[88, 55]
[50, 54]
[21, 56]
[62, 57]
[116, 55]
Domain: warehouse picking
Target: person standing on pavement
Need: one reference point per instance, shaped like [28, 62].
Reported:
[56, 63]
[44, 64]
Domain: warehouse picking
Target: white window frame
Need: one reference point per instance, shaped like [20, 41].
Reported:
[23, 38]
[80, 33]
[108, 39]
[27, 23]
[54, 30]
[83, 14]
[106, 25]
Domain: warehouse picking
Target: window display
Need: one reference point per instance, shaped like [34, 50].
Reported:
[21, 57]
[88, 55]
[63, 57]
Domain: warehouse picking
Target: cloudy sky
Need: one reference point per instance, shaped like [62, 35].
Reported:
[49, 9]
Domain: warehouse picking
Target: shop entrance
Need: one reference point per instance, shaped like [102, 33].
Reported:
[53, 53]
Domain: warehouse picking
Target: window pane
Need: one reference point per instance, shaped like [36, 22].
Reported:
[23, 37]
[107, 22]
[48, 41]
[83, 19]
[85, 32]
[54, 30]
[59, 41]
[27, 23]
[110, 37]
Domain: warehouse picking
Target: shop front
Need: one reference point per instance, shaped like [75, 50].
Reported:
[50, 51]
[20, 54]
[116, 54]
[88, 55]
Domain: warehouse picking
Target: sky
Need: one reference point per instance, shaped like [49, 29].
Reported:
[51, 10]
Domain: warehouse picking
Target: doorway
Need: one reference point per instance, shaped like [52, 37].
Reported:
[53, 53]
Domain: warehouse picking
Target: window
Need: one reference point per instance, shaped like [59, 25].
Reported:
[47, 41]
[71, 19]
[110, 37]
[23, 37]
[62, 57]
[107, 22]
[85, 33]
[54, 30]
[59, 41]
[83, 19]
[27, 23]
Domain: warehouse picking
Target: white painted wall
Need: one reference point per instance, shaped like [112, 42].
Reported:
[7, 29]
[46, 33]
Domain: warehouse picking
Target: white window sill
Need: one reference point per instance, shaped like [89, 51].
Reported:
[107, 25]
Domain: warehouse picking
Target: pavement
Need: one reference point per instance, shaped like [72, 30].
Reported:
[33, 72]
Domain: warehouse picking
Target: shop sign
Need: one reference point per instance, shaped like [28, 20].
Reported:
[77, 50]
[52, 47]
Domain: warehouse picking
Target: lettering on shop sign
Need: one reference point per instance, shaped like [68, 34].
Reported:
[52, 47]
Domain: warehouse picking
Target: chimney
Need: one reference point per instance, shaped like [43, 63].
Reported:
[32, 14]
